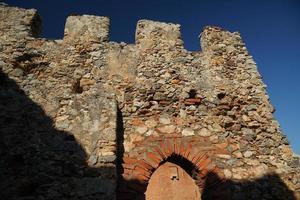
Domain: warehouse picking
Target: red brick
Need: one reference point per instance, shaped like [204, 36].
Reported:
[198, 157]
[127, 166]
[204, 163]
[152, 160]
[153, 164]
[192, 154]
[182, 149]
[165, 148]
[140, 170]
[142, 178]
[130, 161]
[164, 102]
[192, 101]
[188, 150]
[159, 152]
[145, 165]
[153, 157]
[211, 166]
[203, 173]
[176, 147]
[208, 169]
[127, 171]
[170, 146]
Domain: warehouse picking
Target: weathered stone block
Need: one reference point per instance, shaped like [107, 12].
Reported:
[19, 23]
[86, 28]
[150, 34]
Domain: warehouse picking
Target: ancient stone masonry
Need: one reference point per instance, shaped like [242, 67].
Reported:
[87, 118]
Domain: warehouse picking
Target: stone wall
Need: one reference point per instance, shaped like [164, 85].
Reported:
[86, 118]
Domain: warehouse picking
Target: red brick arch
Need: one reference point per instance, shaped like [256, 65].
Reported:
[137, 170]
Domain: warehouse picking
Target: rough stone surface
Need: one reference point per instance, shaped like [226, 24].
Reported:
[83, 114]
[86, 28]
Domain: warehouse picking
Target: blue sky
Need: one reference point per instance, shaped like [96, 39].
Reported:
[270, 29]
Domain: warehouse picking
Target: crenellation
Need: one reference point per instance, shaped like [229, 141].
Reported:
[157, 34]
[26, 23]
[216, 40]
[86, 28]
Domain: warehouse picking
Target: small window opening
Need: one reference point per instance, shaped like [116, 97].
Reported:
[192, 93]
[221, 95]
[77, 88]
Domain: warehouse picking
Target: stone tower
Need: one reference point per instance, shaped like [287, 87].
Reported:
[87, 118]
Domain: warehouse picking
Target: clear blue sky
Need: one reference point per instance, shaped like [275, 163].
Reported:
[270, 29]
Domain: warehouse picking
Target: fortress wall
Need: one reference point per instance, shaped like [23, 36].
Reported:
[21, 21]
[104, 113]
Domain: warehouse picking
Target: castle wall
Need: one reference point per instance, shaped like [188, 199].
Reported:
[97, 118]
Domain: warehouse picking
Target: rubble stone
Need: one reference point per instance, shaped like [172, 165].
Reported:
[81, 114]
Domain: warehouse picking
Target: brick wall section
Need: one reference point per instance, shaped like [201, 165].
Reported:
[198, 151]
[128, 108]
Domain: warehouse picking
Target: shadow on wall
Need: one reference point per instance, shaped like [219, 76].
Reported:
[268, 187]
[37, 160]
[40, 162]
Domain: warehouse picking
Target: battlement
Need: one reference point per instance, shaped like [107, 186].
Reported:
[95, 29]
[213, 39]
[18, 22]
[86, 28]
[150, 33]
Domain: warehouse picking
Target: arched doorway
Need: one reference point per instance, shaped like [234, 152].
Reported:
[171, 182]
